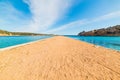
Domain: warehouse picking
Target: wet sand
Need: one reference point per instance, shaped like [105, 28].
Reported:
[59, 58]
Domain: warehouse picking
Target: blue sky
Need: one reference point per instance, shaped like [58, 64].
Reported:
[58, 16]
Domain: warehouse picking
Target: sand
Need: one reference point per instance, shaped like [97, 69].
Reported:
[59, 58]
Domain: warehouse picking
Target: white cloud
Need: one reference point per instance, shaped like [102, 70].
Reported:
[46, 12]
[9, 12]
[10, 17]
[79, 23]
[108, 16]
[72, 24]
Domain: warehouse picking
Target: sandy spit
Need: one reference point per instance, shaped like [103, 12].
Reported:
[59, 58]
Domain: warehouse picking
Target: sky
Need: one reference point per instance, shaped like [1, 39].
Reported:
[64, 17]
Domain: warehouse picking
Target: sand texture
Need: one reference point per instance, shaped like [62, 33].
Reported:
[59, 58]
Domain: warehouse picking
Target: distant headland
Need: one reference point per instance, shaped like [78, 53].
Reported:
[8, 33]
[110, 31]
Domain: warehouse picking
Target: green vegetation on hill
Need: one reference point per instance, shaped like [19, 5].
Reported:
[7, 33]
[4, 32]
[110, 31]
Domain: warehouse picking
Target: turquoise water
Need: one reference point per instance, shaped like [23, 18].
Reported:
[108, 42]
[7, 41]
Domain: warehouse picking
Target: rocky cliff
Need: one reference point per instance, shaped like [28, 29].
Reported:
[110, 31]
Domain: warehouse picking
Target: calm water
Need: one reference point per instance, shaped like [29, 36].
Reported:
[7, 41]
[108, 42]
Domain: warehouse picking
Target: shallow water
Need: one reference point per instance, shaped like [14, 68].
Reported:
[7, 41]
[108, 42]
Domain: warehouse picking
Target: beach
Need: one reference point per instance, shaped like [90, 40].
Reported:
[59, 58]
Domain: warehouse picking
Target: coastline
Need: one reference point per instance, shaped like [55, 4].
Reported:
[59, 58]
[97, 46]
[23, 44]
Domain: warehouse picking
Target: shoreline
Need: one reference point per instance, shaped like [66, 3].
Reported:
[97, 46]
[23, 44]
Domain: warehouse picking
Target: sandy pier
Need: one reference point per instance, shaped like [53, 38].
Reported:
[59, 58]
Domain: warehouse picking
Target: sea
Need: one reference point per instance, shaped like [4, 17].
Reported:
[8, 41]
[104, 41]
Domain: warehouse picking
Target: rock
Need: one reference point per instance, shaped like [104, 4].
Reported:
[110, 31]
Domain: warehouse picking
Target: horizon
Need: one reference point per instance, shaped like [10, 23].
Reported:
[58, 16]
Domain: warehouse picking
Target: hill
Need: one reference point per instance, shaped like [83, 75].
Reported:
[110, 31]
[7, 33]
